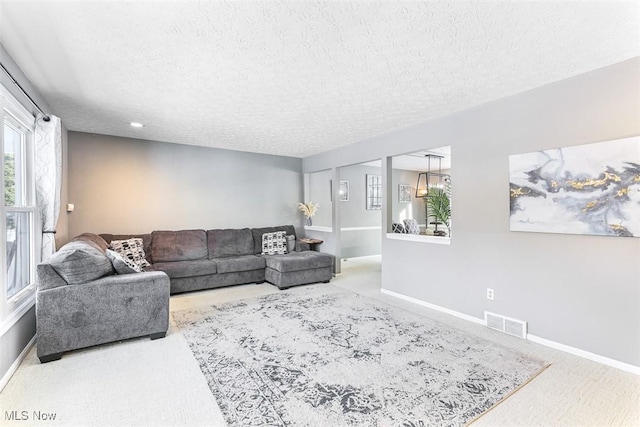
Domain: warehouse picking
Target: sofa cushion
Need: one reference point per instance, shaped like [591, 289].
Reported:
[178, 269]
[132, 249]
[258, 232]
[274, 243]
[240, 263]
[80, 261]
[297, 261]
[229, 242]
[184, 245]
[122, 264]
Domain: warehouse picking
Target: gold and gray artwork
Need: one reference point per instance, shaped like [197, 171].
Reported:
[585, 189]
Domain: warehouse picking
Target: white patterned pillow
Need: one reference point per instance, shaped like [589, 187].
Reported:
[132, 249]
[121, 264]
[274, 243]
[411, 226]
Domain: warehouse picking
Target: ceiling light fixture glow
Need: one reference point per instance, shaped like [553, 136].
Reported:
[136, 125]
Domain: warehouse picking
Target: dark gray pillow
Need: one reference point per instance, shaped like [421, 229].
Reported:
[291, 243]
[121, 264]
[396, 227]
[80, 262]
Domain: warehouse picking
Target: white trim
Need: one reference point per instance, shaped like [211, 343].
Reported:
[434, 307]
[318, 228]
[16, 364]
[585, 354]
[361, 228]
[419, 238]
[533, 338]
[16, 109]
[16, 314]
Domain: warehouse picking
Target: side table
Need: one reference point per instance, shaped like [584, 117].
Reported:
[311, 242]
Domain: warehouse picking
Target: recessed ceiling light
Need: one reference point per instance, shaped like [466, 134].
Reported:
[136, 125]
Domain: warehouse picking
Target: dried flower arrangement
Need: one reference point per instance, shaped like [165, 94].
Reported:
[308, 209]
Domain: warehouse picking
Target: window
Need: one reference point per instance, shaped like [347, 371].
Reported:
[18, 206]
[374, 192]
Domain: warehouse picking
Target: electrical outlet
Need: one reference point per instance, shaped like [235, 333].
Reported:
[490, 294]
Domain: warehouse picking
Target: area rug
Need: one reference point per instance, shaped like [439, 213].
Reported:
[324, 356]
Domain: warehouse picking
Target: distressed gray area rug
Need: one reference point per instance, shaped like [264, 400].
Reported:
[323, 356]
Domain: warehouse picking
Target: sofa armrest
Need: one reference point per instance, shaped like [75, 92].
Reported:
[108, 309]
[48, 277]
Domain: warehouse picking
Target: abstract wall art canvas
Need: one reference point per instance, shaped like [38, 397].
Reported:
[586, 189]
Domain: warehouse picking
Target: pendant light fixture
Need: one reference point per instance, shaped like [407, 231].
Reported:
[430, 178]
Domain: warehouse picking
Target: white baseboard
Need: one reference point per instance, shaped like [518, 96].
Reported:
[585, 354]
[434, 307]
[533, 338]
[14, 367]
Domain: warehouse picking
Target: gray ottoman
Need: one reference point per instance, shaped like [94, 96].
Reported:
[298, 268]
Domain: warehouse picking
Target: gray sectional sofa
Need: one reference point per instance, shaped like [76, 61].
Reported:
[199, 259]
[81, 301]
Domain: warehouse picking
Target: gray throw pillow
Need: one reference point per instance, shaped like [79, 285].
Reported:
[80, 262]
[291, 243]
[121, 264]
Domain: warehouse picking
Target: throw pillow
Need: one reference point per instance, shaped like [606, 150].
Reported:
[132, 249]
[291, 243]
[80, 262]
[412, 227]
[397, 227]
[121, 264]
[274, 243]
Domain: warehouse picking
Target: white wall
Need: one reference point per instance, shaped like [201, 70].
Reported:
[581, 291]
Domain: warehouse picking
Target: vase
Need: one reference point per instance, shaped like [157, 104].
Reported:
[309, 222]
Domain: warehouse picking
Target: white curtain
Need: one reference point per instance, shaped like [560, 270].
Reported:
[48, 174]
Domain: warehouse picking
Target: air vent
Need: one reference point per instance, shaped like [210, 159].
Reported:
[505, 324]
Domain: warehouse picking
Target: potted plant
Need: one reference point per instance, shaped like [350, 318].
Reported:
[309, 210]
[438, 206]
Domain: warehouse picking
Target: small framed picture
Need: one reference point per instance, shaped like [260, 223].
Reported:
[404, 193]
[374, 192]
[344, 191]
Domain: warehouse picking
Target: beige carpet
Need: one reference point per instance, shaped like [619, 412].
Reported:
[158, 383]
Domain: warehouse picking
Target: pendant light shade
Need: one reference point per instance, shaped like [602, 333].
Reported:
[431, 178]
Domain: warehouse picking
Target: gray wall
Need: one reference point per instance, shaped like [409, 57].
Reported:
[581, 291]
[401, 211]
[354, 214]
[16, 339]
[318, 191]
[122, 185]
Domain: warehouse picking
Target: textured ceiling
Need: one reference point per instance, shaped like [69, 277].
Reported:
[299, 77]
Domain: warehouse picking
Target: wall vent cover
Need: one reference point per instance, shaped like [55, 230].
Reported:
[505, 324]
